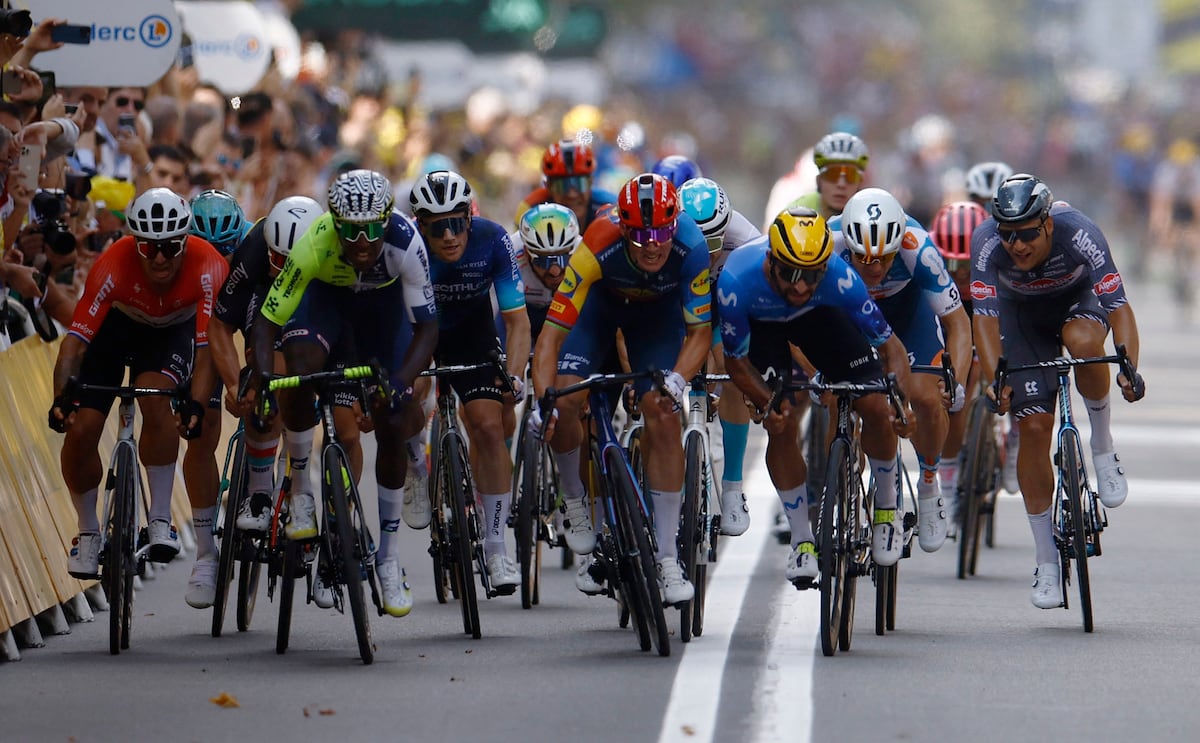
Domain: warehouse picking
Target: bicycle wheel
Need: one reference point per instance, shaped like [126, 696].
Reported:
[816, 456]
[856, 548]
[348, 557]
[118, 558]
[617, 545]
[230, 536]
[1074, 530]
[527, 490]
[460, 533]
[643, 572]
[975, 474]
[831, 556]
[690, 525]
[249, 573]
[293, 568]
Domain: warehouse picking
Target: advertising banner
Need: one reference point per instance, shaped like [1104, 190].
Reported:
[230, 42]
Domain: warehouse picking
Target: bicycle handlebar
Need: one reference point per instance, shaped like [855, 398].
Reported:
[1120, 358]
[888, 386]
[946, 369]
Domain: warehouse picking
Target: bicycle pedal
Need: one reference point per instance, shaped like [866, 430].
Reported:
[502, 591]
[803, 584]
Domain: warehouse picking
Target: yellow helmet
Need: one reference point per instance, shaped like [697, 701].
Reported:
[800, 239]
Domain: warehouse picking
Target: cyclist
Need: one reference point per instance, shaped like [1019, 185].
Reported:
[567, 169]
[1042, 277]
[841, 160]
[951, 231]
[724, 230]
[791, 286]
[543, 243]
[923, 306]
[471, 255]
[148, 299]
[218, 218]
[677, 169]
[642, 269]
[355, 286]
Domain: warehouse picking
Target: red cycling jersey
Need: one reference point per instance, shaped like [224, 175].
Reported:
[117, 280]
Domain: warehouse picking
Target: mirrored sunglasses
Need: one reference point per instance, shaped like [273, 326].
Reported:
[870, 260]
[790, 275]
[170, 249]
[714, 244]
[438, 227]
[546, 262]
[564, 184]
[640, 236]
[834, 173]
[350, 231]
[1027, 235]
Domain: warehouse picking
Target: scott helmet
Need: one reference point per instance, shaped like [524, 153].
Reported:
[287, 221]
[874, 223]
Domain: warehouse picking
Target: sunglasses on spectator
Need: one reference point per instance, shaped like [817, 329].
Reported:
[564, 184]
[835, 173]
[437, 227]
[123, 101]
[546, 262]
[641, 236]
[277, 260]
[350, 231]
[223, 160]
[790, 275]
[1027, 235]
[169, 249]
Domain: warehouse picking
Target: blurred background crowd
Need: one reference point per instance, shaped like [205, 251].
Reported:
[1098, 98]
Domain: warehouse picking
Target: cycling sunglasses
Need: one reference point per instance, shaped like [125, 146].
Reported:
[546, 262]
[277, 260]
[834, 173]
[640, 236]
[563, 184]
[437, 227]
[123, 101]
[870, 260]
[170, 249]
[789, 275]
[1027, 235]
[350, 231]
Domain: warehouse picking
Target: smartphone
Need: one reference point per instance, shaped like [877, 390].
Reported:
[10, 82]
[127, 121]
[30, 165]
[71, 108]
[70, 34]
[48, 84]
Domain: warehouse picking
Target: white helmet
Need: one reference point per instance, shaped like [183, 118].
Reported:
[841, 147]
[159, 214]
[361, 196]
[288, 220]
[984, 178]
[707, 203]
[549, 229]
[874, 223]
[440, 192]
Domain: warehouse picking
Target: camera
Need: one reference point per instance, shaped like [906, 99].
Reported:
[15, 22]
[55, 232]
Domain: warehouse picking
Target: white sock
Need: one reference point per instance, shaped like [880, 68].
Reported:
[667, 505]
[495, 507]
[885, 481]
[927, 481]
[299, 447]
[795, 507]
[415, 447]
[568, 474]
[86, 518]
[948, 473]
[202, 522]
[1100, 416]
[1043, 537]
[260, 460]
[391, 502]
[161, 481]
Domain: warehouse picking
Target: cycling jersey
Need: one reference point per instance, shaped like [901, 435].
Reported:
[117, 281]
[487, 261]
[1079, 256]
[541, 195]
[318, 255]
[745, 294]
[248, 282]
[738, 233]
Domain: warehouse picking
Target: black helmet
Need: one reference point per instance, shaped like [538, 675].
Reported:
[1021, 198]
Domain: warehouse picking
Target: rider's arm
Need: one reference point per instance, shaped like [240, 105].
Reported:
[510, 295]
[958, 334]
[224, 352]
[303, 263]
[1125, 331]
[516, 328]
[929, 270]
[418, 302]
[70, 358]
[695, 286]
[748, 379]
[545, 357]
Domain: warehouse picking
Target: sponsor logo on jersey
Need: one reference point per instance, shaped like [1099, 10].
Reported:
[981, 291]
[910, 241]
[1109, 284]
[1088, 248]
[700, 284]
[1043, 284]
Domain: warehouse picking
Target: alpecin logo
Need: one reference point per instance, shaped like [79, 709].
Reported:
[980, 290]
[1108, 284]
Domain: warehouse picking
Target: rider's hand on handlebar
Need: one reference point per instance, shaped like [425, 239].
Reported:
[61, 413]
[675, 387]
[1132, 390]
[539, 420]
[960, 397]
[191, 418]
[518, 386]
[999, 407]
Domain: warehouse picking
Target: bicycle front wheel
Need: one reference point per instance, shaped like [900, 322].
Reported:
[690, 526]
[832, 557]
[976, 480]
[119, 565]
[643, 571]
[293, 567]
[526, 486]
[336, 481]
[249, 573]
[230, 538]
[460, 533]
[1075, 528]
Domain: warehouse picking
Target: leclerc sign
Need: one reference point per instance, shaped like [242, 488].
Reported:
[230, 43]
[134, 42]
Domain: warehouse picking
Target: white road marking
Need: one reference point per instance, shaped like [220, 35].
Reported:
[783, 694]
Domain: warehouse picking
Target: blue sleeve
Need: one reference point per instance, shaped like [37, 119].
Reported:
[842, 287]
[735, 322]
[506, 274]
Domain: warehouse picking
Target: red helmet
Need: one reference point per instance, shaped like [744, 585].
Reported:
[567, 158]
[952, 228]
[648, 200]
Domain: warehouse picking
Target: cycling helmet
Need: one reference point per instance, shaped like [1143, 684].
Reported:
[841, 147]
[159, 214]
[218, 218]
[288, 220]
[549, 229]
[360, 196]
[1021, 198]
[800, 239]
[567, 158]
[952, 227]
[984, 178]
[440, 192]
[648, 200]
[677, 169]
[705, 201]
[874, 223]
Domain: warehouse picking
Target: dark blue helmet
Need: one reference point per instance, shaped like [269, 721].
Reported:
[1021, 198]
[677, 169]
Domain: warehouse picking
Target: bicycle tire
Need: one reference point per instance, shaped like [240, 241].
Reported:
[643, 571]
[623, 573]
[700, 583]
[119, 553]
[439, 538]
[816, 457]
[347, 554]
[293, 561]
[526, 488]
[230, 535]
[460, 535]
[689, 528]
[883, 578]
[1076, 529]
[249, 574]
[970, 478]
[893, 589]
[830, 557]
[856, 559]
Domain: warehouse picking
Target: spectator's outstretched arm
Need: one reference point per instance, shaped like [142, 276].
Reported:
[38, 41]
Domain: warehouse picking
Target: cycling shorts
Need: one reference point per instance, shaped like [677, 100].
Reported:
[827, 337]
[913, 320]
[168, 350]
[471, 341]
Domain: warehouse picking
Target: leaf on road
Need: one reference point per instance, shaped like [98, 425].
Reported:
[225, 700]
[326, 712]
[688, 730]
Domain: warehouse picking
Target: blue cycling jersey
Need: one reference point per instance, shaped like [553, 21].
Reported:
[487, 261]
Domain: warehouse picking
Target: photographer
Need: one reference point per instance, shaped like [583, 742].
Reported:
[47, 245]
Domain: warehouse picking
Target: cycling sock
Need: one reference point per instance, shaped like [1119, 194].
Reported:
[415, 447]
[666, 504]
[160, 479]
[735, 436]
[948, 473]
[85, 514]
[884, 471]
[1100, 416]
[1043, 537]
[260, 456]
[927, 484]
[495, 510]
[202, 522]
[568, 474]
[299, 447]
[391, 502]
[795, 507]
